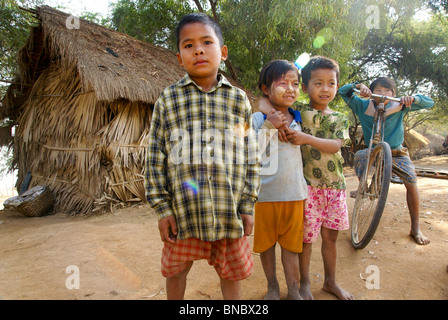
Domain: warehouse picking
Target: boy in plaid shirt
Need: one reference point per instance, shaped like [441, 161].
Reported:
[202, 167]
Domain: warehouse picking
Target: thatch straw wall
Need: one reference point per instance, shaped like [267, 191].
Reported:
[89, 152]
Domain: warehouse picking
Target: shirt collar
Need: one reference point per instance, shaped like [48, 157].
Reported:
[296, 114]
[186, 80]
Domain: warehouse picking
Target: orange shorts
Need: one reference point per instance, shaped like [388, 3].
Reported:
[231, 258]
[280, 222]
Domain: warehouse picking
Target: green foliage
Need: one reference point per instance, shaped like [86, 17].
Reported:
[14, 29]
[259, 31]
[97, 18]
[150, 20]
[6, 159]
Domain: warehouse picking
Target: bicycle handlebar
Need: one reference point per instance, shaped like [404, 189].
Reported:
[380, 96]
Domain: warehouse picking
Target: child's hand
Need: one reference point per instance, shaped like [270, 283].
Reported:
[296, 137]
[168, 229]
[407, 101]
[364, 91]
[248, 223]
[277, 118]
[282, 133]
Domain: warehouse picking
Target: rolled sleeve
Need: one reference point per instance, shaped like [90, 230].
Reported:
[247, 204]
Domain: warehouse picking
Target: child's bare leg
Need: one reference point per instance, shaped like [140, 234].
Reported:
[231, 290]
[268, 262]
[413, 200]
[290, 261]
[304, 265]
[175, 285]
[329, 238]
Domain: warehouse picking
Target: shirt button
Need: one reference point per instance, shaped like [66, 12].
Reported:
[208, 119]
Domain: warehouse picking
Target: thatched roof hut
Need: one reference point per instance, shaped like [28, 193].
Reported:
[82, 103]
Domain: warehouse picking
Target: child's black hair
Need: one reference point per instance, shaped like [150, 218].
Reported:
[273, 71]
[319, 62]
[385, 83]
[202, 18]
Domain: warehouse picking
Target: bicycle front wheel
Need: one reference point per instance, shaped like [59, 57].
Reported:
[371, 196]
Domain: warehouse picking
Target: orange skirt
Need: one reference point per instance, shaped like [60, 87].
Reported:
[280, 222]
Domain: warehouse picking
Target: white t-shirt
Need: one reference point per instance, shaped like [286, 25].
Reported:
[282, 168]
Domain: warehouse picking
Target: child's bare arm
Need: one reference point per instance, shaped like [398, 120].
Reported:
[265, 105]
[296, 137]
[324, 145]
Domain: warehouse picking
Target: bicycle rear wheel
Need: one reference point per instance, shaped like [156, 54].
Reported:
[371, 196]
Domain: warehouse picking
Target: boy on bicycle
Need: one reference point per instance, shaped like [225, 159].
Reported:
[402, 165]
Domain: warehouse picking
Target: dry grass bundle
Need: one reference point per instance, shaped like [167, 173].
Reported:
[127, 185]
[124, 133]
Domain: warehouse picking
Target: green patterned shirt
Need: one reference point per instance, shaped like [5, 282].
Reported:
[201, 167]
[321, 169]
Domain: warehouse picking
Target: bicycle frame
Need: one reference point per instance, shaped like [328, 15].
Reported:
[376, 190]
[378, 119]
[378, 123]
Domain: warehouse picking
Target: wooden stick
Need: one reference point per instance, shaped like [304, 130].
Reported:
[12, 82]
[33, 11]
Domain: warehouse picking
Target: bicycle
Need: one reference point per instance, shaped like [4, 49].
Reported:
[375, 180]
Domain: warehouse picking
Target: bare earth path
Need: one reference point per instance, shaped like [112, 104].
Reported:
[116, 256]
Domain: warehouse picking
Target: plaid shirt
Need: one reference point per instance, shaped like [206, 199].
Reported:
[199, 165]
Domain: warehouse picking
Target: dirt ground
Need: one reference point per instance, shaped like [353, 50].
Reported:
[116, 256]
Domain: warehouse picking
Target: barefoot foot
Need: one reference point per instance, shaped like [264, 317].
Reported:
[420, 238]
[305, 291]
[273, 293]
[340, 293]
[295, 295]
